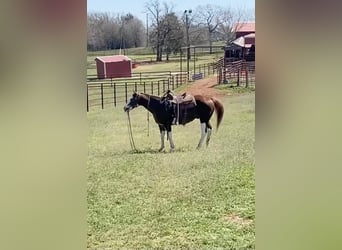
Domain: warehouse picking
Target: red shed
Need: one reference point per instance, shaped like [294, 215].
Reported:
[113, 66]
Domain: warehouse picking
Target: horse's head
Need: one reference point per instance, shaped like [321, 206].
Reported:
[132, 103]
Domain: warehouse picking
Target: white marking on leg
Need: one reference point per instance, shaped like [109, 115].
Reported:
[208, 135]
[172, 146]
[203, 134]
[162, 136]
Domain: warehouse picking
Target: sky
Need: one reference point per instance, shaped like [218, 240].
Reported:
[136, 7]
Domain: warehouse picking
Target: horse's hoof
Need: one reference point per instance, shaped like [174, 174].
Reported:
[172, 150]
[161, 149]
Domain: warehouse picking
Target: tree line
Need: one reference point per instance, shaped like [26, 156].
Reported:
[167, 30]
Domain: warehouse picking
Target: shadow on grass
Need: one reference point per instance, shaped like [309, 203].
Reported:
[142, 151]
[156, 151]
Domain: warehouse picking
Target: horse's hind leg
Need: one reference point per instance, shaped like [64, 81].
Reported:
[209, 130]
[203, 134]
[172, 145]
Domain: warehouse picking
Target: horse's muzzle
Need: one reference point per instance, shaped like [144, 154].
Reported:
[126, 108]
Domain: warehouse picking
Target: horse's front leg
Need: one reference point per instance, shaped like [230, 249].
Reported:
[162, 136]
[169, 136]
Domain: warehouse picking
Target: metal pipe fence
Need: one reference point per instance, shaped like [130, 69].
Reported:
[239, 73]
[115, 92]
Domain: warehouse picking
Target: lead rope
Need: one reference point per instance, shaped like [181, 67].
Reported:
[148, 123]
[148, 117]
[130, 134]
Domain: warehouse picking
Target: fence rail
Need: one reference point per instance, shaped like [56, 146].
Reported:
[238, 72]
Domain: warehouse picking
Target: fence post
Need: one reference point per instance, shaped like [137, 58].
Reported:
[238, 78]
[126, 91]
[87, 99]
[114, 94]
[224, 74]
[246, 73]
[102, 95]
[152, 87]
[144, 87]
[219, 75]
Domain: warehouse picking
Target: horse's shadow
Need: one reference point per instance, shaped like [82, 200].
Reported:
[144, 151]
[116, 153]
[157, 151]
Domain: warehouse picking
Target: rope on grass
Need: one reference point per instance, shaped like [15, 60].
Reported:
[130, 134]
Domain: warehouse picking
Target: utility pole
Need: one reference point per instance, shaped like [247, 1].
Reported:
[187, 25]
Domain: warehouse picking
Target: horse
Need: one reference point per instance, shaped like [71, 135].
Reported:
[203, 110]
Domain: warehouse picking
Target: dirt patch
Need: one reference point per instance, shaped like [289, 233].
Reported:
[237, 220]
[204, 87]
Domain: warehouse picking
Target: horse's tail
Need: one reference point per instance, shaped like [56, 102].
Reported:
[219, 111]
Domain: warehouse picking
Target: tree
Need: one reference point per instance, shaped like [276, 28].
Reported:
[229, 17]
[106, 31]
[210, 17]
[135, 33]
[154, 8]
[172, 34]
[165, 28]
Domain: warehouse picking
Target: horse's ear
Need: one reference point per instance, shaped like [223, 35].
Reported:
[135, 94]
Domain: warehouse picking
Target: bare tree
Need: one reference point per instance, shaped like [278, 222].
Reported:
[231, 21]
[163, 25]
[135, 33]
[112, 31]
[210, 17]
[154, 8]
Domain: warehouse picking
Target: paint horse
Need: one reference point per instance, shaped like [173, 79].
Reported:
[203, 110]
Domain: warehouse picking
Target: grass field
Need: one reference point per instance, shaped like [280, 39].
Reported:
[188, 199]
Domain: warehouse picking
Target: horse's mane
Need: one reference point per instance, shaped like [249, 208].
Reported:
[148, 95]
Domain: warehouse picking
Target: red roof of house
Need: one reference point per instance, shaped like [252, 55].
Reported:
[116, 58]
[244, 27]
[251, 35]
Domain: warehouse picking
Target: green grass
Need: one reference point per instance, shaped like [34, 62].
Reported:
[231, 88]
[180, 200]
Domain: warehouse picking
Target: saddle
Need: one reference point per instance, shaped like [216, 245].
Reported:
[182, 106]
[179, 99]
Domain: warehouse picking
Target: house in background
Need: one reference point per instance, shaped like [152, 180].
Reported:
[242, 29]
[243, 47]
[113, 66]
